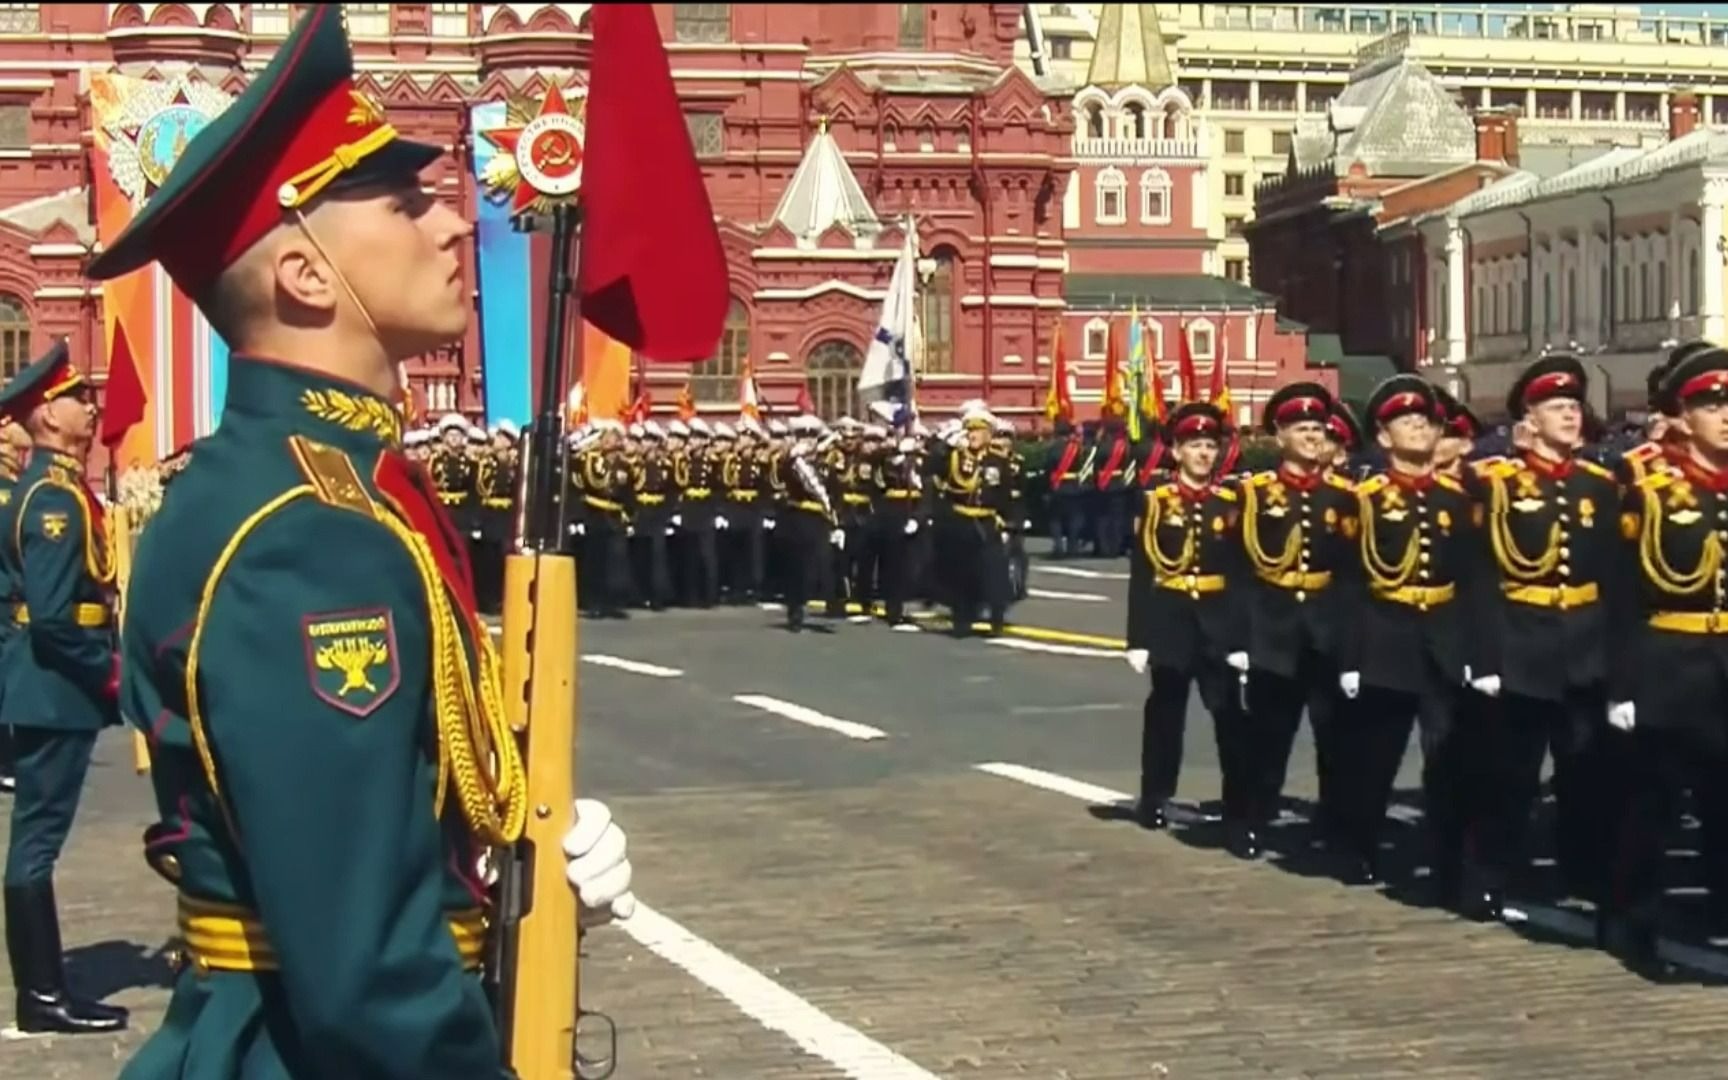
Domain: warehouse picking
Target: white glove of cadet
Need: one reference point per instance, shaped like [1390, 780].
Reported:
[911, 526]
[1238, 661]
[838, 538]
[720, 523]
[579, 529]
[1622, 715]
[1138, 659]
[475, 534]
[597, 864]
[1487, 684]
[677, 520]
[629, 530]
[1350, 682]
[767, 523]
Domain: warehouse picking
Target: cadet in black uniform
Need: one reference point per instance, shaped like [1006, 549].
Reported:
[1666, 682]
[452, 470]
[1187, 620]
[809, 524]
[900, 489]
[495, 477]
[1540, 638]
[607, 486]
[651, 524]
[1299, 530]
[972, 552]
[1403, 648]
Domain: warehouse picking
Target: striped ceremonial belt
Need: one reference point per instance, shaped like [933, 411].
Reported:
[87, 615]
[1691, 622]
[1299, 581]
[1418, 596]
[228, 937]
[1553, 596]
[1193, 583]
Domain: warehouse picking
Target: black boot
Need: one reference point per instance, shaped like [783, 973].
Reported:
[38, 972]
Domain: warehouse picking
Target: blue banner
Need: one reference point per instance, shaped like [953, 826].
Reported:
[504, 278]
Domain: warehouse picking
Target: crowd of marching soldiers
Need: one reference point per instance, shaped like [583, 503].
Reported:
[855, 520]
[1389, 576]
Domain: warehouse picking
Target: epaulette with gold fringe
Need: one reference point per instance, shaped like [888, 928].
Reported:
[1449, 483]
[1372, 484]
[1496, 467]
[1599, 471]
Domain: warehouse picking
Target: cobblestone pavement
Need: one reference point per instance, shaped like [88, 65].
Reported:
[977, 926]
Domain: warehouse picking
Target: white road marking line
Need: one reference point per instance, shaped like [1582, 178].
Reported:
[1059, 650]
[1062, 785]
[809, 716]
[1064, 710]
[1075, 571]
[768, 1003]
[635, 667]
[1053, 594]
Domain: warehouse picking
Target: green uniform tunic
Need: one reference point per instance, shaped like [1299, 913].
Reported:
[280, 652]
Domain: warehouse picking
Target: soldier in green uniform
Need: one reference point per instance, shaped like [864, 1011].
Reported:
[330, 757]
[61, 675]
[14, 444]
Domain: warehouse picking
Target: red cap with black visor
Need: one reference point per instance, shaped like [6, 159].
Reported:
[1699, 379]
[1401, 395]
[1294, 403]
[1547, 379]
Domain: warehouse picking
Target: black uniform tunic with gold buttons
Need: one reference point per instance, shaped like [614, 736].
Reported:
[1186, 608]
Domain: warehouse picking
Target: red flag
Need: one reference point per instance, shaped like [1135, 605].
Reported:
[123, 403]
[653, 274]
[1188, 381]
[806, 407]
[1112, 404]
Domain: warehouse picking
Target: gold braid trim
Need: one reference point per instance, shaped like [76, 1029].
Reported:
[1162, 565]
[1264, 563]
[1514, 563]
[1383, 575]
[476, 749]
[1656, 568]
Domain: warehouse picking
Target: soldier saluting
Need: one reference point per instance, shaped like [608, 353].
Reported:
[1186, 618]
[330, 753]
[1299, 529]
[61, 676]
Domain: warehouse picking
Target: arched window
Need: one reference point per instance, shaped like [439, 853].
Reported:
[1134, 122]
[1097, 343]
[1112, 189]
[1175, 121]
[1202, 339]
[936, 315]
[1155, 197]
[1094, 121]
[832, 372]
[715, 380]
[14, 336]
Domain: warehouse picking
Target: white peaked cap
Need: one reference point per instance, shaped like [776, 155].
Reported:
[747, 425]
[777, 427]
[699, 426]
[452, 420]
[477, 433]
[884, 411]
[722, 430]
[508, 427]
[907, 445]
[678, 428]
[635, 430]
[1004, 425]
[973, 417]
[846, 423]
[972, 405]
[919, 429]
[827, 440]
[875, 431]
[805, 425]
[653, 430]
[605, 424]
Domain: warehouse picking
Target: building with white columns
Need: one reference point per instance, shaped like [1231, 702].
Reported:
[1614, 259]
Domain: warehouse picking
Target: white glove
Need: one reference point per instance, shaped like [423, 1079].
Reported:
[1467, 675]
[1004, 537]
[720, 522]
[911, 526]
[767, 523]
[580, 529]
[1350, 682]
[1622, 715]
[838, 538]
[677, 520]
[1238, 661]
[1487, 684]
[670, 531]
[629, 530]
[1026, 526]
[1138, 659]
[475, 534]
[597, 864]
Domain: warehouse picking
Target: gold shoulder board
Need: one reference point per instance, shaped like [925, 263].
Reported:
[1448, 483]
[332, 476]
[1595, 470]
[1372, 484]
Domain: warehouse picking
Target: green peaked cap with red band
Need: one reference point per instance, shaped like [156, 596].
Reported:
[300, 130]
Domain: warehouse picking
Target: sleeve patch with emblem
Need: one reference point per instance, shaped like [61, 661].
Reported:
[54, 524]
[351, 658]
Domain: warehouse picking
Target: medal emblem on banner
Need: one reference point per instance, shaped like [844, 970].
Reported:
[540, 159]
[149, 125]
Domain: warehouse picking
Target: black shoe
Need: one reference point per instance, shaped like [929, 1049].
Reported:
[1362, 868]
[1632, 941]
[1486, 906]
[38, 971]
[1151, 815]
[1244, 842]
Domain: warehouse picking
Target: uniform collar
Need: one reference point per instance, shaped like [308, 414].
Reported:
[1189, 491]
[1715, 480]
[1293, 479]
[1411, 481]
[328, 409]
[1553, 470]
[42, 459]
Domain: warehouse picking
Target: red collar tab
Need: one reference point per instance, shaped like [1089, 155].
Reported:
[1191, 493]
[1715, 480]
[1291, 478]
[1411, 481]
[1554, 470]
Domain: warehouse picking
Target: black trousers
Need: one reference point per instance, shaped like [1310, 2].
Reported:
[1112, 519]
[1663, 762]
[1276, 704]
[1373, 731]
[606, 584]
[1508, 739]
[898, 562]
[701, 556]
[486, 556]
[809, 561]
[8, 756]
[650, 562]
[1164, 721]
[743, 552]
